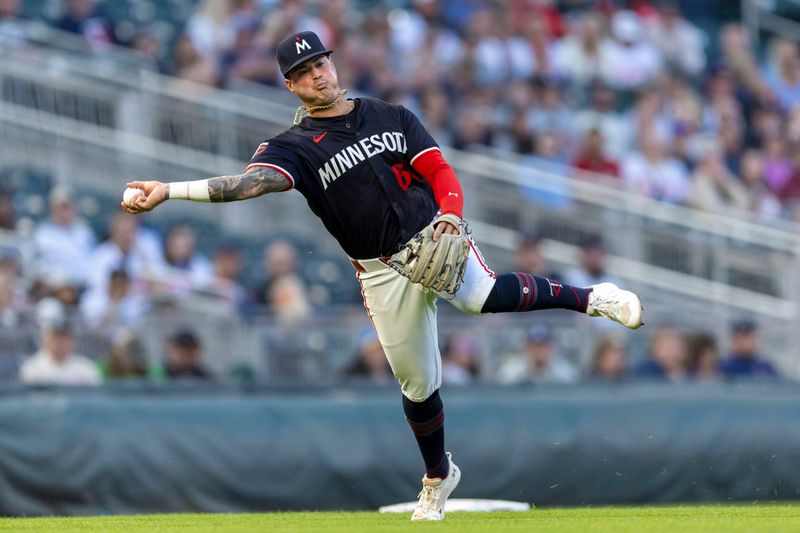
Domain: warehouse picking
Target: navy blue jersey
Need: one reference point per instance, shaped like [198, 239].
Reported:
[355, 172]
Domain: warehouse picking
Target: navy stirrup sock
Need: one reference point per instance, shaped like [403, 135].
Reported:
[519, 291]
[426, 419]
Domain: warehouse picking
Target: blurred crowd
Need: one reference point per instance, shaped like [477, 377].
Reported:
[628, 89]
[632, 93]
[673, 354]
[109, 288]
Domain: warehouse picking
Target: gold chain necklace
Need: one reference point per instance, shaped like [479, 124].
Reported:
[303, 111]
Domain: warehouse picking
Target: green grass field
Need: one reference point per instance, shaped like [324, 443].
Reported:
[753, 517]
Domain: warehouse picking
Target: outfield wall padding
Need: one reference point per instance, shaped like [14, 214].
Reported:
[223, 449]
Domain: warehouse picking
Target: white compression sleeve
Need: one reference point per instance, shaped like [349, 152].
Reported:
[196, 190]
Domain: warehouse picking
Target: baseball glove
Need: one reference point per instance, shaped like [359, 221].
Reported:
[437, 265]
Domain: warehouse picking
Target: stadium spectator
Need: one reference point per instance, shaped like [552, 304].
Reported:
[280, 258]
[782, 75]
[288, 300]
[539, 363]
[602, 114]
[13, 303]
[212, 29]
[592, 269]
[184, 357]
[148, 42]
[777, 166]
[295, 15]
[127, 358]
[715, 189]
[652, 172]
[64, 242]
[128, 248]
[530, 258]
[370, 362]
[731, 140]
[609, 360]
[460, 359]
[472, 128]
[628, 61]
[577, 56]
[83, 18]
[487, 52]
[792, 127]
[680, 42]
[226, 280]
[703, 357]
[115, 306]
[435, 109]
[743, 359]
[667, 360]
[517, 137]
[549, 12]
[250, 56]
[56, 363]
[188, 269]
[592, 157]
[762, 201]
[188, 64]
[683, 110]
[66, 293]
[789, 193]
[12, 31]
[551, 116]
[10, 263]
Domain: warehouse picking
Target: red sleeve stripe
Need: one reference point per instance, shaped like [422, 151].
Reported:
[422, 152]
[481, 260]
[276, 167]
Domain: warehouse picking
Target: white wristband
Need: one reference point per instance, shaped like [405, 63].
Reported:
[196, 190]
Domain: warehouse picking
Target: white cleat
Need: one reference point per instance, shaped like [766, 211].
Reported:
[608, 300]
[434, 494]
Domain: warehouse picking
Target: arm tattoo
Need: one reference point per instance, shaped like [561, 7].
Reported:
[254, 182]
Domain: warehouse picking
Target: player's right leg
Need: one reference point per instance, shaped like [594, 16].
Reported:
[520, 292]
[404, 317]
[484, 292]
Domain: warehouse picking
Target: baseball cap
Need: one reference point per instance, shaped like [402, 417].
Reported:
[62, 325]
[539, 334]
[530, 239]
[185, 339]
[297, 48]
[60, 194]
[744, 325]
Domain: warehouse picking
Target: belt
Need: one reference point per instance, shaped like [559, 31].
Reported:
[370, 265]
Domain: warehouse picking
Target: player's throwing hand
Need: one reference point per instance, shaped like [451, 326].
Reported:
[155, 192]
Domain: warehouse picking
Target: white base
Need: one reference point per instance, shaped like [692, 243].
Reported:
[462, 504]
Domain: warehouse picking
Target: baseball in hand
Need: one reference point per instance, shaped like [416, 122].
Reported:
[130, 195]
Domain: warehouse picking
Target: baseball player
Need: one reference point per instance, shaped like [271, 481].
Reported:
[379, 183]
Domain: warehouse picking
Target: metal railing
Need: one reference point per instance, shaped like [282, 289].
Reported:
[766, 15]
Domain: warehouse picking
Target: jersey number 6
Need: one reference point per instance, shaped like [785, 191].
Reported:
[402, 176]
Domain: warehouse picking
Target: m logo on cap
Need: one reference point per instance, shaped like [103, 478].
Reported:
[297, 48]
[302, 45]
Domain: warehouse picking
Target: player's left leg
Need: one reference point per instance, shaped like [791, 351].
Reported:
[404, 317]
[485, 292]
